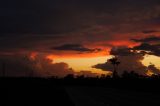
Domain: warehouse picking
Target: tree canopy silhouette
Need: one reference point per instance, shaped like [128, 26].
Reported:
[114, 61]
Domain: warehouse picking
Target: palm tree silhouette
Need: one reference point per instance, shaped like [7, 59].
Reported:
[114, 61]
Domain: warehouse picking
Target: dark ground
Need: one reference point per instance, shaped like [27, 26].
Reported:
[103, 96]
[34, 92]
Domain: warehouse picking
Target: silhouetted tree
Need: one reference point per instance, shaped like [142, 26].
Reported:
[69, 76]
[103, 76]
[114, 61]
[155, 76]
[125, 74]
[80, 77]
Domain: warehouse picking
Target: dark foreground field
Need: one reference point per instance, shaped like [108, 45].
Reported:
[51, 92]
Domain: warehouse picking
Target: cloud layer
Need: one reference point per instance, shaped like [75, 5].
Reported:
[75, 47]
[39, 65]
[129, 61]
[80, 28]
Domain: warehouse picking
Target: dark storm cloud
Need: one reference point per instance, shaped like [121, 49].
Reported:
[149, 31]
[27, 42]
[154, 20]
[129, 61]
[36, 16]
[153, 69]
[125, 51]
[37, 25]
[37, 66]
[121, 51]
[149, 44]
[16, 65]
[75, 47]
[59, 16]
[145, 46]
[153, 49]
[20, 65]
[148, 39]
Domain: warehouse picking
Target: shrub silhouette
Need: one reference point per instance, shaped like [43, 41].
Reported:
[69, 77]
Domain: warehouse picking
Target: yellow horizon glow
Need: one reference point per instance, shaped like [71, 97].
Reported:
[148, 59]
[84, 64]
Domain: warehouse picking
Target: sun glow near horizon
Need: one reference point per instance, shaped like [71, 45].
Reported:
[85, 64]
[151, 59]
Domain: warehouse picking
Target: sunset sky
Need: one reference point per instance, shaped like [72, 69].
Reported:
[59, 37]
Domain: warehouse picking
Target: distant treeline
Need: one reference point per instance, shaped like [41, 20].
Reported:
[124, 75]
[128, 81]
